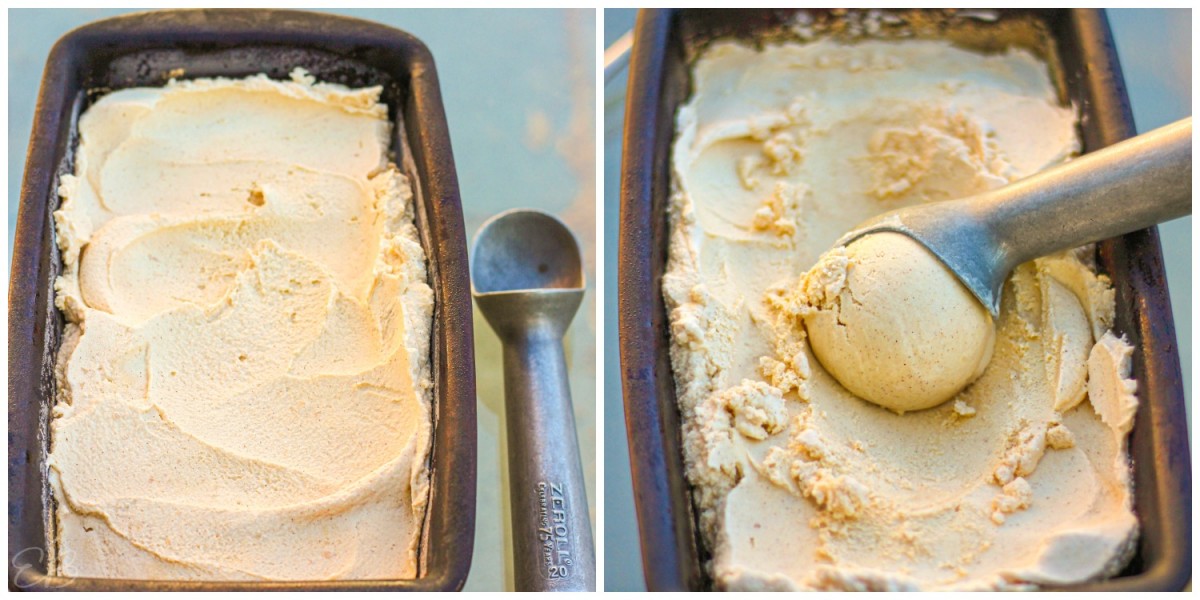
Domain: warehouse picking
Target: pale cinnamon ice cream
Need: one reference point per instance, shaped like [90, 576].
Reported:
[893, 325]
[1020, 479]
[243, 383]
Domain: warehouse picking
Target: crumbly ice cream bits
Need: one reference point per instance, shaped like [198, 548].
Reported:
[796, 151]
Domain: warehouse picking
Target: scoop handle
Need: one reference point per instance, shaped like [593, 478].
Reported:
[1128, 186]
[552, 535]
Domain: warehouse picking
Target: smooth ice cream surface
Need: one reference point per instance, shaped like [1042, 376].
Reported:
[243, 382]
[1022, 478]
[893, 325]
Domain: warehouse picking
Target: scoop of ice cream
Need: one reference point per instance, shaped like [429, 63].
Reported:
[893, 325]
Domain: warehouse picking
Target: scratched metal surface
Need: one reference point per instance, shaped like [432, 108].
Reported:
[519, 95]
[1154, 46]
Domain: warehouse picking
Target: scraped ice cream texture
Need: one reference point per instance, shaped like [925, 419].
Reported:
[243, 382]
[1019, 480]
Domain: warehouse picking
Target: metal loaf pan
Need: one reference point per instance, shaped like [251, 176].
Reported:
[659, 82]
[142, 50]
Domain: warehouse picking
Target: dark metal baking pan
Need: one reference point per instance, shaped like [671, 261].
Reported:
[659, 83]
[142, 50]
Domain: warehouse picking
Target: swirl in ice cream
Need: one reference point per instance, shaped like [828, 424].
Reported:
[243, 384]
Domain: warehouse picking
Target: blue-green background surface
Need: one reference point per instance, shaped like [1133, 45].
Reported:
[1155, 48]
[519, 88]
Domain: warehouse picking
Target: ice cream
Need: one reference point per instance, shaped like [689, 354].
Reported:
[893, 325]
[1021, 479]
[243, 385]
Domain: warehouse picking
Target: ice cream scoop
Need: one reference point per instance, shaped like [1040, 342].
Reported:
[527, 279]
[888, 307]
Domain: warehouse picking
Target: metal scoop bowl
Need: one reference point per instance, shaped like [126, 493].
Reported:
[1128, 186]
[527, 279]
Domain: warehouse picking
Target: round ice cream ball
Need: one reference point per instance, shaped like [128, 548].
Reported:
[898, 328]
